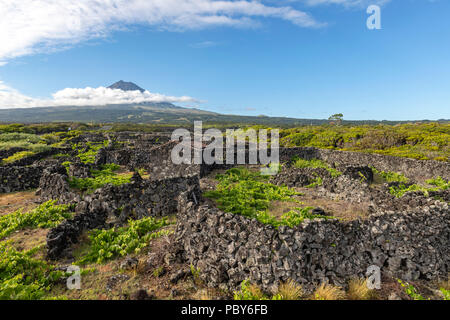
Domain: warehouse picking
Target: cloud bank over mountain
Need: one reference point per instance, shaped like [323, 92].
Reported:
[11, 98]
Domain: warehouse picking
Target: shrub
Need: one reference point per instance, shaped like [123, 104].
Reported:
[22, 277]
[247, 193]
[445, 293]
[30, 138]
[18, 156]
[249, 292]
[47, 215]
[417, 141]
[410, 290]
[390, 176]
[91, 184]
[88, 156]
[108, 244]
[439, 183]
[315, 163]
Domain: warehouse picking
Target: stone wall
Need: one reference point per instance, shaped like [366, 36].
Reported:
[115, 204]
[14, 178]
[33, 158]
[9, 152]
[417, 170]
[230, 248]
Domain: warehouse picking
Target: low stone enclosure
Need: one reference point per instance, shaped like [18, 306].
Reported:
[407, 237]
[230, 248]
[108, 206]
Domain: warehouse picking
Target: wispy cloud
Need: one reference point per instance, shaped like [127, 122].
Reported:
[32, 26]
[11, 98]
[346, 3]
[204, 44]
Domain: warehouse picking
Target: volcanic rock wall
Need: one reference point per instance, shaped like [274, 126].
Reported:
[230, 248]
[417, 170]
[19, 178]
[117, 204]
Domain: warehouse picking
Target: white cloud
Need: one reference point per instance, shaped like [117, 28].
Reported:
[31, 26]
[347, 3]
[11, 98]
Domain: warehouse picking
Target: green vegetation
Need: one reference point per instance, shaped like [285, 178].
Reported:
[88, 155]
[106, 175]
[30, 143]
[22, 277]
[249, 292]
[47, 215]
[428, 141]
[315, 163]
[18, 156]
[112, 243]
[439, 184]
[410, 290]
[296, 216]
[445, 293]
[37, 128]
[286, 291]
[390, 176]
[247, 193]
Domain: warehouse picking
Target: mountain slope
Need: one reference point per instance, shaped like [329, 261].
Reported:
[126, 86]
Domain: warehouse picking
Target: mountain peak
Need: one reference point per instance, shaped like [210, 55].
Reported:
[126, 86]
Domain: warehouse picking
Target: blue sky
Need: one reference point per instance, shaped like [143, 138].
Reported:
[270, 65]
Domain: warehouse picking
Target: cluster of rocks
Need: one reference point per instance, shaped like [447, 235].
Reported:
[29, 160]
[9, 152]
[417, 170]
[230, 248]
[19, 178]
[407, 237]
[135, 200]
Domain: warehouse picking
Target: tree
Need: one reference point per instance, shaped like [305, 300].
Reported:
[336, 118]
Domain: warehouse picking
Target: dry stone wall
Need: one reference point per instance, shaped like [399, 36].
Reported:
[14, 179]
[417, 170]
[230, 248]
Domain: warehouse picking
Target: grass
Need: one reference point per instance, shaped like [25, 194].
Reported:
[286, 291]
[358, 290]
[247, 193]
[290, 290]
[47, 215]
[328, 292]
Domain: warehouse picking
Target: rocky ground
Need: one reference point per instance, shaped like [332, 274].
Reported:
[160, 271]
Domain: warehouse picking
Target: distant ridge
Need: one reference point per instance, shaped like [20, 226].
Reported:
[126, 86]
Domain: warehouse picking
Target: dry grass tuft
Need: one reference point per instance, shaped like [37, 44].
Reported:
[202, 294]
[328, 292]
[290, 290]
[256, 292]
[358, 290]
[445, 284]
